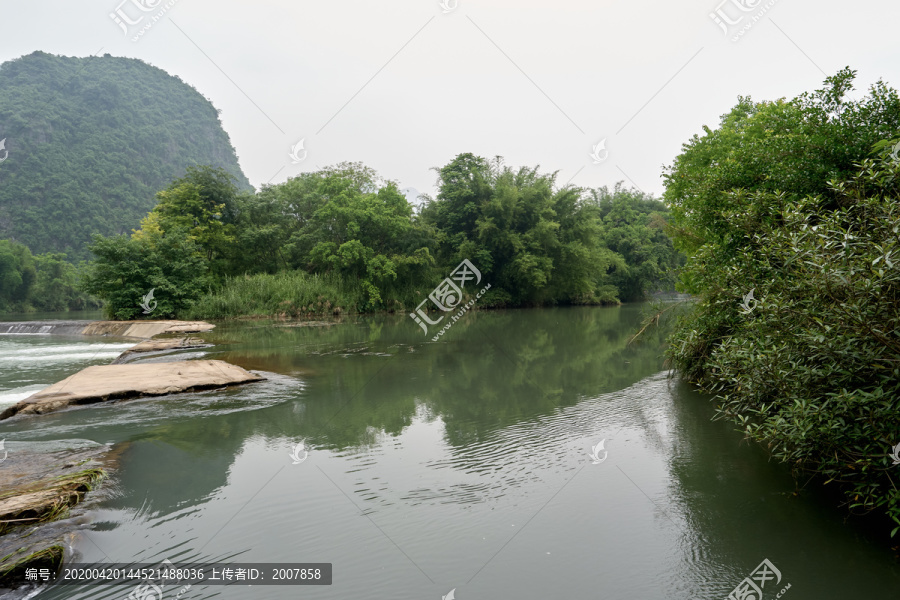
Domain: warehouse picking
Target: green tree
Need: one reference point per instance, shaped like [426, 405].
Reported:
[17, 275]
[56, 287]
[633, 227]
[127, 268]
[362, 234]
[203, 203]
[792, 147]
[536, 243]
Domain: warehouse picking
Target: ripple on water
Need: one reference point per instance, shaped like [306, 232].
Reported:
[517, 456]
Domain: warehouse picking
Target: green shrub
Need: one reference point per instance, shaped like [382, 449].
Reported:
[812, 368]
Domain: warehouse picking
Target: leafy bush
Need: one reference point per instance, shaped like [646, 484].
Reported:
[128, 268]
[811, 366]
[813, 371]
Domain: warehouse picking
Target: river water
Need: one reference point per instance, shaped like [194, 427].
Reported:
[463, 464]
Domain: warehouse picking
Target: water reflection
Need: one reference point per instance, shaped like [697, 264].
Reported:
[462, 464]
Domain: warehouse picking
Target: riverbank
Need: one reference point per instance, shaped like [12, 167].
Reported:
[299, 295]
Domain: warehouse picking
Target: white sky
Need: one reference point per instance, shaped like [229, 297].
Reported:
[403, 87]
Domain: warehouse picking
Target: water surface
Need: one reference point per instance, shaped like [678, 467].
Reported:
[457, 464]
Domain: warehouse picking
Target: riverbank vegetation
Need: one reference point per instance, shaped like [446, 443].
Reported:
[44, 282]
[798, 202]
[342, 239]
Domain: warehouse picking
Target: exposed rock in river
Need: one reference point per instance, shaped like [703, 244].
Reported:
[145, 329]
[181, 343]
[110, 382]
[39, 487]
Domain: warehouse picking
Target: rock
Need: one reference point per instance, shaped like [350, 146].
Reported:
[110, 382]
[37, 489]
[161, 346]
[145, 329]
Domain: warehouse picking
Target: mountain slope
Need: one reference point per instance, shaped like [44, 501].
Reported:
[89, 143]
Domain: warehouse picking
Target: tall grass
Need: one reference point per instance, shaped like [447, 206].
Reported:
[288, 294]
[297, 294]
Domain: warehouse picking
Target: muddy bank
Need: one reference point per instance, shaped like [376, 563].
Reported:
[38, 489]
[111, 382]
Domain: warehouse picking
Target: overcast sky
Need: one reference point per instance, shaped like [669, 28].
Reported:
[406, 85]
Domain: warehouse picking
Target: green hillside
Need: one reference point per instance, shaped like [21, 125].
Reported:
[90, 141]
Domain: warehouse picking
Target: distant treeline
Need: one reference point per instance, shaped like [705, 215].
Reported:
[45, 282]
[342, 239]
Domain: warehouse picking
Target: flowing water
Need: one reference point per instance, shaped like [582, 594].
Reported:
[463, 464]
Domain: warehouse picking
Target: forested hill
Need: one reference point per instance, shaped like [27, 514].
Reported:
[89, 142]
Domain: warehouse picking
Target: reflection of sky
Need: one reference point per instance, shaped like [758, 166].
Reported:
[414, 514]
[449, 508]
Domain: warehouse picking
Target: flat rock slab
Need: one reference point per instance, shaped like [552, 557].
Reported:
[110, 382]
[145, 329]
[162, 345]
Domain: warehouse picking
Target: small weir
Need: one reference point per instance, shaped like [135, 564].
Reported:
[43, 327]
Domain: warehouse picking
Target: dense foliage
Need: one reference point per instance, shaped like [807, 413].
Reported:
[44, 282]
[786, 199]
[343, 239]
[90, 141]
[633, 228]
[538, 244]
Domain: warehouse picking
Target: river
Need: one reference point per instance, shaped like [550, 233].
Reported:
[463, 464]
